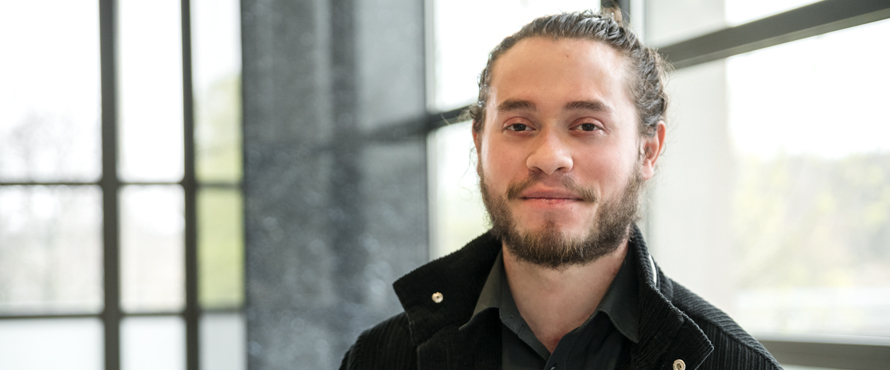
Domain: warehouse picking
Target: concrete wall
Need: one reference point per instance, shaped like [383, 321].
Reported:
[335, 171]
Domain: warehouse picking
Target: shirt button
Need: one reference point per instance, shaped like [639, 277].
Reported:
[438, 297]
[679, 365]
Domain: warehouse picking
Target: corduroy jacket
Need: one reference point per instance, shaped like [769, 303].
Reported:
[678, 329]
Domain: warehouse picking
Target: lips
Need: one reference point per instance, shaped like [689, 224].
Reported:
[563, 189]
[555, 195]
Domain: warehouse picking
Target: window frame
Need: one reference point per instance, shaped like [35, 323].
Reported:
[110, 185]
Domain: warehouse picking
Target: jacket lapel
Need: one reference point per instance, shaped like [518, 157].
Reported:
[666, 333]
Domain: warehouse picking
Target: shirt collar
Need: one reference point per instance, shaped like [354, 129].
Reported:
[620, 303]
[490, 297]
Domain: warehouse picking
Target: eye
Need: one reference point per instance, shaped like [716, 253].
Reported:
[588, 127]
[517, 127]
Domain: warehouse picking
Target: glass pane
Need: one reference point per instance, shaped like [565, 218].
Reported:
[71, 344]
[813, 186]
[744, 11]
[775, 186]
[50, 249]
[151, 343]
[223, 342]
[461, 50]
[216, 53]
[49, 100]
[220, 248]
[152, 254]
[458, 214]
[670, 21]
[150, 90]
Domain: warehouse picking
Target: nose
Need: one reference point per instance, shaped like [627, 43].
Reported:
[550, 154]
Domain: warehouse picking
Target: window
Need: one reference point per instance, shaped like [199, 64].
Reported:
[812, 194]
[120, 201]
[772, 171]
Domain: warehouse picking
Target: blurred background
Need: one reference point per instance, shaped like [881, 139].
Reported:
[203, 184]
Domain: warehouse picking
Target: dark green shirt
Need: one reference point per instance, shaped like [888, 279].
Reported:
[602, 342]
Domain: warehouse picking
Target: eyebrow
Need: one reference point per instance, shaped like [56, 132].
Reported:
[594, 105]
[511, 104]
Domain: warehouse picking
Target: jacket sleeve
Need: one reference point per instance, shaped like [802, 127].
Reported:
[348, 359]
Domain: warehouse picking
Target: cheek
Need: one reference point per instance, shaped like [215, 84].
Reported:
[499, 166]
[490, 162]
[602, 166]
[609, 168]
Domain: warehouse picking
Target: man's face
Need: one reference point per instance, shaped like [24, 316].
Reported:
[561, 161]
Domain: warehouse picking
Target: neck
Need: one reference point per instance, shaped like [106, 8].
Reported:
[556, 301]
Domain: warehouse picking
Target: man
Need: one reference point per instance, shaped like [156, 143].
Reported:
[568, 126]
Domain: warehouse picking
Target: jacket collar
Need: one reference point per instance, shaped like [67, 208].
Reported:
[664, 329]
[459, 277]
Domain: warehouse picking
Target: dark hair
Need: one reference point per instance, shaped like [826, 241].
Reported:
[646, 66]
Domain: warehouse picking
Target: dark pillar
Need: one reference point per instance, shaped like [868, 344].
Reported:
[335, 171]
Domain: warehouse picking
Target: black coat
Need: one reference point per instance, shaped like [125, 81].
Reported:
[675, 324]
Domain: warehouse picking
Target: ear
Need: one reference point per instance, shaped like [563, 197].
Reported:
[477, 139]
[650, 149]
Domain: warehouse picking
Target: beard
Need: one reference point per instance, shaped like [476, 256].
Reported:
[549, 246]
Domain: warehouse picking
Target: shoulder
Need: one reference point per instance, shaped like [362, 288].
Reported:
[733, 347]
[387, 345]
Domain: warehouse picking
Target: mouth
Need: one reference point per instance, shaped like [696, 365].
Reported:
[565, 190]
[550, 196]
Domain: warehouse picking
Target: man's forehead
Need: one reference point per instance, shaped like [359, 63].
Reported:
[549, 50]
[540, 62]
[589, 105]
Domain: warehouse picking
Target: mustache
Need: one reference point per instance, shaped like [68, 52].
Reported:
[585, 193]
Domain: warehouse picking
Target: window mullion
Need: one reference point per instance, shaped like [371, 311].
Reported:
[192, 309]
[111, 315]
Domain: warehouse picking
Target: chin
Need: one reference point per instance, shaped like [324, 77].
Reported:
[568, 227]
